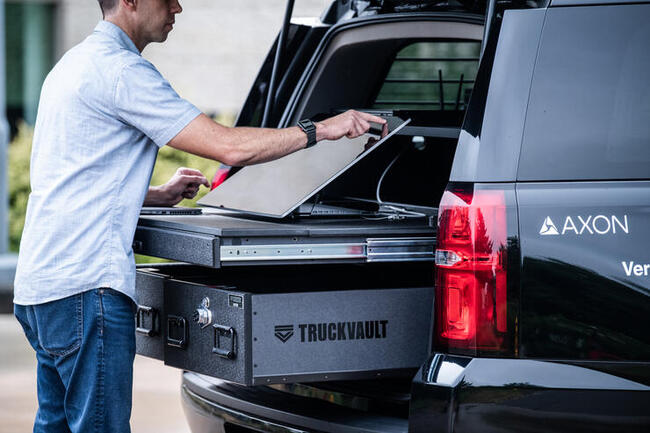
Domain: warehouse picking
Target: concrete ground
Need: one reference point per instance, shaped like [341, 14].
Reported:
[156, 388]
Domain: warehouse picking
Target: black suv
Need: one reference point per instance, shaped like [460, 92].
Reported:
[535, 141]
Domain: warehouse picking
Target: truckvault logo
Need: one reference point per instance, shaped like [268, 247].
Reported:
[335, 331]
[284, 332]
[587, 225]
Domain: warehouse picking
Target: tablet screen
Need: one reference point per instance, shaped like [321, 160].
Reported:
[276, 188]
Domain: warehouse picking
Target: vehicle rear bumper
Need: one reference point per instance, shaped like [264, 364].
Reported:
[453, 393]
[213, 406]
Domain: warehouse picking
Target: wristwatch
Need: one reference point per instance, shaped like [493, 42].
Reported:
[308, 128]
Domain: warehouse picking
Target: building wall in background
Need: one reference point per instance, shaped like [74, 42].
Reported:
[211, 57]
[214, 52]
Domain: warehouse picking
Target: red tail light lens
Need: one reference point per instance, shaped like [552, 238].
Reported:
[471, 270]
[220, 176]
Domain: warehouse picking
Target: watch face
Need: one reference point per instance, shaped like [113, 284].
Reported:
[306, 124]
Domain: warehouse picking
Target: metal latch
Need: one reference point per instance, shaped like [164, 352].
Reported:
[224, 332]
[176, 331]
[141, 326]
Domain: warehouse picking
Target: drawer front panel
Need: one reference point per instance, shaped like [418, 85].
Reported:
[319, 335]
[217, 347]
[149, 335]
[177, 245]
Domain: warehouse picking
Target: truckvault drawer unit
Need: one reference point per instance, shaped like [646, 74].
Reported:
[325, 281]
[280, 325]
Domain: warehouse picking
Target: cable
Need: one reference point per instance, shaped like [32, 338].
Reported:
[381, 179]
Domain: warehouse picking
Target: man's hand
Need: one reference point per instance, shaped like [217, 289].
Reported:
[184, 184]
[350, 124]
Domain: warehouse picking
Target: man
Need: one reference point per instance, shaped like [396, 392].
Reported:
[103, 114]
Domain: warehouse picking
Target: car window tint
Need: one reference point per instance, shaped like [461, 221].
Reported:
[589, 111]
[414, 79]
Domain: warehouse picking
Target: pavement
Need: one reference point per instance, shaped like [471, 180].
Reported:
[156, 388]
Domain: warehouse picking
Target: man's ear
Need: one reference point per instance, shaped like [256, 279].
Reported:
[130, 5]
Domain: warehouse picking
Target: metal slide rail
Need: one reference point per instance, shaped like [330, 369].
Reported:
[372, 250]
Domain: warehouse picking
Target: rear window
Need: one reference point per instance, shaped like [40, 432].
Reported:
[589, 111]
[435, 75]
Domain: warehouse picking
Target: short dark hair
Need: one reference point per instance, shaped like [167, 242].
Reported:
[107, 5]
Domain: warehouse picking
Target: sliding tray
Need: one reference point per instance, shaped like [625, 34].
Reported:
[216, 240]
[271, 324]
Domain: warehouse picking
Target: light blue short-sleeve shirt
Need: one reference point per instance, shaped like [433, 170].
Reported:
[103, 114]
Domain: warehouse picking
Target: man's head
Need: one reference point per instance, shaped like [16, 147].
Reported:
[107, 6]
[143, 20]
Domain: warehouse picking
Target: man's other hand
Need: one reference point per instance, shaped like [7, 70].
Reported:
[184, 184]
[350, 124]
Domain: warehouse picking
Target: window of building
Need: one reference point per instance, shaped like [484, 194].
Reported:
[29, 39]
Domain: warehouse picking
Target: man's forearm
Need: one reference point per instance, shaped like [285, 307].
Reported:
[257, 145]
[245, 146]
[157, 196]
[237, 146]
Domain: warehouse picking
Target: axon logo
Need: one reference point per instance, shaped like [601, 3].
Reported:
[284, 332]
[590, 224]
[548, 228]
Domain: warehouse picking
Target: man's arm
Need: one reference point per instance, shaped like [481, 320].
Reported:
[184, 184]
[245, 146]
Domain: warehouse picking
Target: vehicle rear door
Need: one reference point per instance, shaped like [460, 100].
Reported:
[584, 188]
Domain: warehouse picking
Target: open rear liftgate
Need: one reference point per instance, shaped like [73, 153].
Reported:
[279, 302]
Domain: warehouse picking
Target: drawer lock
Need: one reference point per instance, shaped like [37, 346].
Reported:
[202, 315]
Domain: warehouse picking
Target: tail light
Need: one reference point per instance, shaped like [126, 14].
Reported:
[471, 305]
[220, 176]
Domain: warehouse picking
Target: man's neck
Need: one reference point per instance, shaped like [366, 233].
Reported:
[129, 30]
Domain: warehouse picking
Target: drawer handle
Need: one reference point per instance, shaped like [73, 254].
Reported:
[143, 312]
[225, 332]
[176, 331]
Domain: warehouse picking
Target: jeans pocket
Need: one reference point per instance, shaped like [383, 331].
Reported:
[60, 325]
[113, 299]
[21, 314]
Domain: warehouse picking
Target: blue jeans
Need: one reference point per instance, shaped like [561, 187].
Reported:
[85, 345]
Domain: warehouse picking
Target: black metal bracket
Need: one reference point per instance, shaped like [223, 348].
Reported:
[176, 331]
[143, 312]
[227, 332]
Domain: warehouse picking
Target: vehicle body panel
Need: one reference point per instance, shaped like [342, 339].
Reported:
[490, 140]
[580, 295]
[457, 394]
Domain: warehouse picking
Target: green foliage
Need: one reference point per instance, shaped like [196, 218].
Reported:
[169, 160]
[19, 153]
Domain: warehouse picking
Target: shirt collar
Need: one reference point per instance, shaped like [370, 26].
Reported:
[118, 34]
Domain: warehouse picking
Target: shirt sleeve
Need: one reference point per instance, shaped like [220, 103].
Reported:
[145, 100]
